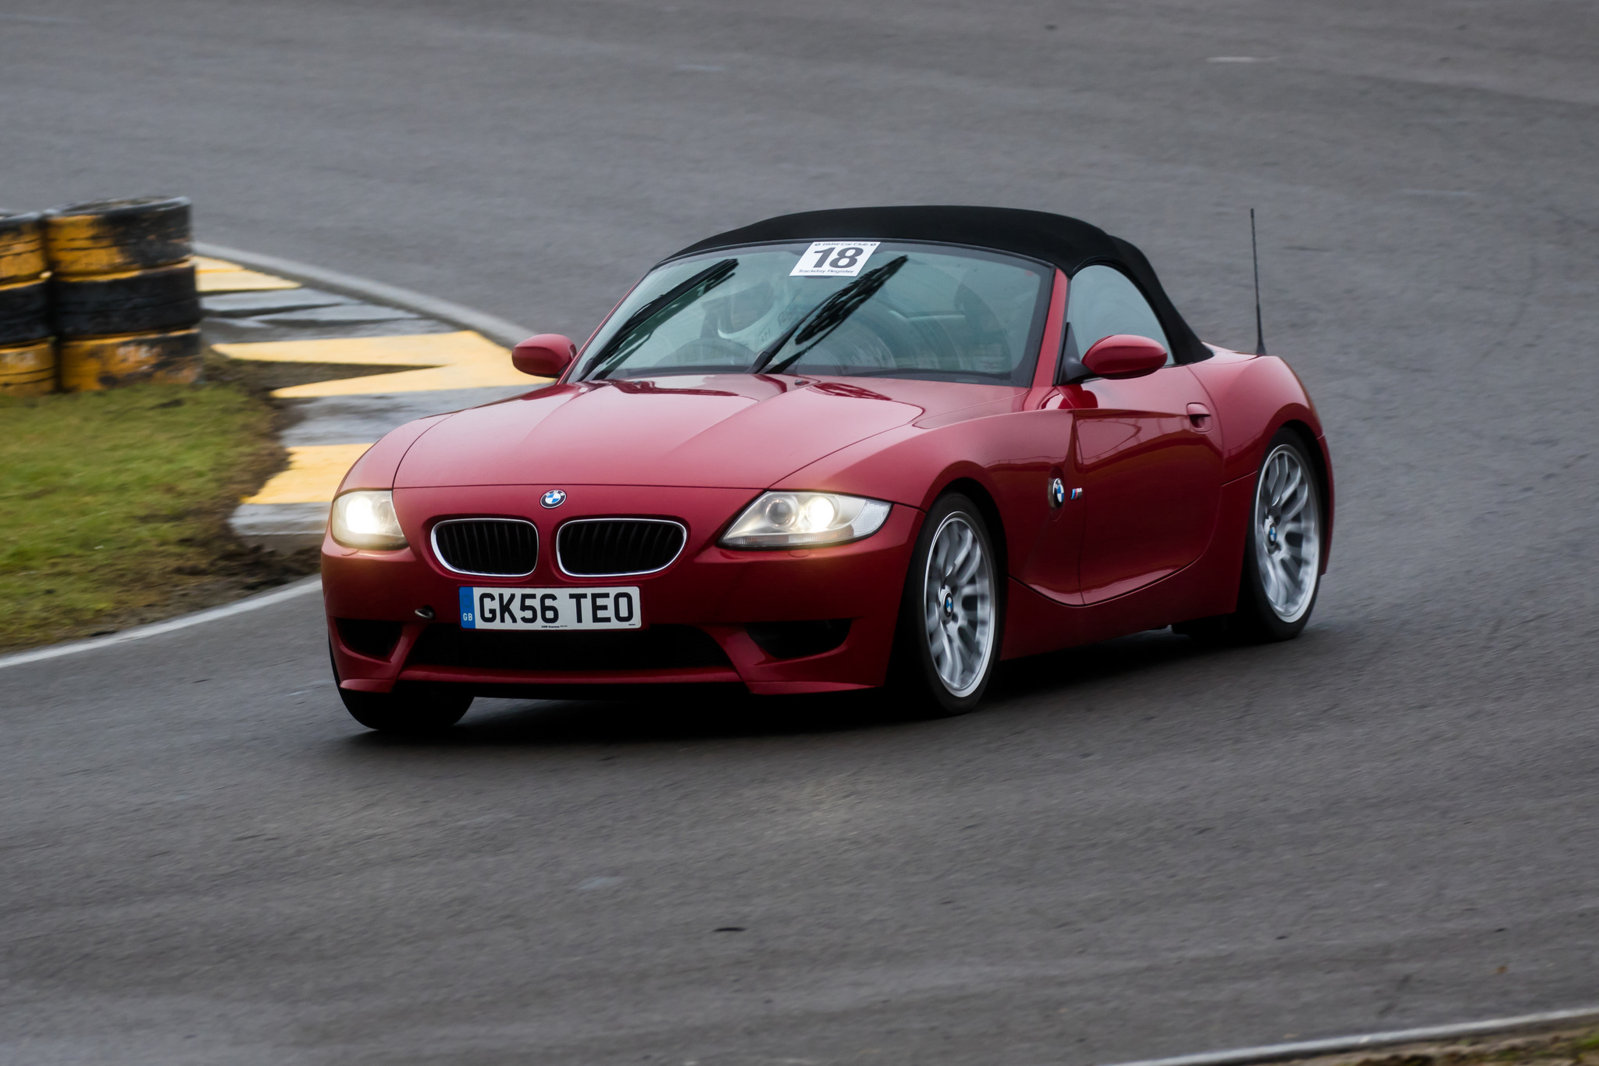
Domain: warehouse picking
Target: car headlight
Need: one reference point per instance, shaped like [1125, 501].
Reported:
[366, 519]
[803, 519]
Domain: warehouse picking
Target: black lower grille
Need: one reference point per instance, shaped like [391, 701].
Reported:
[501, 547]
[613, 547]
[375, 640]
[795, 640]
[656, 648]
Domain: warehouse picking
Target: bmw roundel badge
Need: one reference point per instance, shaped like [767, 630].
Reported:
[553, 498]
[1057, 492]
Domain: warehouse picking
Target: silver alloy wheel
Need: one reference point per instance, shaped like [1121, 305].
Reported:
[1287, 533]
[958, 605]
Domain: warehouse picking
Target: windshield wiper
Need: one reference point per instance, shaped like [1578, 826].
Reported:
[814, 326]
[647, 319]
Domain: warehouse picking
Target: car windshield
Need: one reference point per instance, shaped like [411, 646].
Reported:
[851, 308]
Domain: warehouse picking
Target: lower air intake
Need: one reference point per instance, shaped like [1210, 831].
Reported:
[655, 648]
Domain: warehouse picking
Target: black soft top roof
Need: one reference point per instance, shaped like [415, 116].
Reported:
[1067, 243]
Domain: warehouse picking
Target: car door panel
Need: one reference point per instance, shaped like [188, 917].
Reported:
[1150, 471]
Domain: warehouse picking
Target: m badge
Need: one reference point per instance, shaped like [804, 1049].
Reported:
[1057, 492]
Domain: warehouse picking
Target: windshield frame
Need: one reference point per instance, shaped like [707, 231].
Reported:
[585, 364]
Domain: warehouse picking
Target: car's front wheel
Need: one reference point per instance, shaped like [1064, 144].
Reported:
[412, 712]
[950, 616]
[409, 710]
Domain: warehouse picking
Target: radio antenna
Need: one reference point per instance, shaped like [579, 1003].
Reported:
[1260, 333]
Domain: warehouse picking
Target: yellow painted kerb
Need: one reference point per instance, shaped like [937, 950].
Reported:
[313, 475]
[463, 360]
[219, 275]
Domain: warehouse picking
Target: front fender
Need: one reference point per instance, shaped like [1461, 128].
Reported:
[377, 466]
[1011, 457]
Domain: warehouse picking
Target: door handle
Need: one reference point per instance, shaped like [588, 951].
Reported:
[1199, 416]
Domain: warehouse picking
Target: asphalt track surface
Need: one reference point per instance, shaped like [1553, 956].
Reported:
[1134, 850]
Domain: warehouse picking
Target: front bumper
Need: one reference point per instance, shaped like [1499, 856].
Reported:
[714, 615]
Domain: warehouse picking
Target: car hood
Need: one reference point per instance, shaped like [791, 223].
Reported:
[728, 430]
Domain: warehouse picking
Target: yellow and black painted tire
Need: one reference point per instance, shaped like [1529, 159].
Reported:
[115, 236]
[21, 248]
[137, 301]
[24, 311]
[28, 369]
[93, 363]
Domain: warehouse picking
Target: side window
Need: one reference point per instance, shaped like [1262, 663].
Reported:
[1100, 301]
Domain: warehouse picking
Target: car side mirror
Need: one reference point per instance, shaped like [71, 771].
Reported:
[1124, 355]
[546, 355]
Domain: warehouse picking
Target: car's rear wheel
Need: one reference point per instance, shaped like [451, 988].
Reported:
[951, 614]
[409, 710]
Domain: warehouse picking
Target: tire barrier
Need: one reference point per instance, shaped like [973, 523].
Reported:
[21, 248]
[24, 294]
[24, 312]
[28, 369]
[90, 363]
[122, 292]
[139, 302]
[117, 236]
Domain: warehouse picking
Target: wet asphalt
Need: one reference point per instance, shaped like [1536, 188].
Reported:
[1139, 849]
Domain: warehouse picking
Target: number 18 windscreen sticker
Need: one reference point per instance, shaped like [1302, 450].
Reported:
[833, 259]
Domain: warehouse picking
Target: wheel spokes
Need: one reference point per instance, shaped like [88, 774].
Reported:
[958, 605]
[967, 562]
[1287, 534]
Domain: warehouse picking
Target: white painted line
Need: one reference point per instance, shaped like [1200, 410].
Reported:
[1241, 59]
[214, 614]
[1337, 1044]
[495, 329]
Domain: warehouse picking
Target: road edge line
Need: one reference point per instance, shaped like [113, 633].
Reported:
[155, 629]
[498, 330]
[1337, 1044]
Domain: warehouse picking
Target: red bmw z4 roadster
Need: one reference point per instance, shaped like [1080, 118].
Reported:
[829, 451]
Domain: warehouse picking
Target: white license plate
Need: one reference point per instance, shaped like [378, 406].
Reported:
[575, 608]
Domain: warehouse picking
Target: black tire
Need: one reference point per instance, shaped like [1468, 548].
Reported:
[413, 711]
[922, 687]
[150, 301]
[1266, 614]
[24, 312]
[21, 247]
[28, 369]
[90, 363]
[105, 236]
[410, 710]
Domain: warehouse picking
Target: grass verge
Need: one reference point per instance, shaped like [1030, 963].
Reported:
[1568, 1048]
[114, 505]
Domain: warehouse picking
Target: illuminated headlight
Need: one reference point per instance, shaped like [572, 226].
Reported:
[803, 519]
[366, 519]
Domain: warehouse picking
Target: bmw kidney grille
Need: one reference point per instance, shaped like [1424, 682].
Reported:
[617, 547]
[492, 547]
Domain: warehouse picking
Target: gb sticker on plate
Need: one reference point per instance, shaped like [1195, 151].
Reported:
[833, 259]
